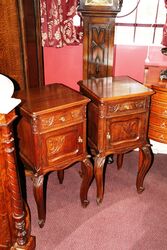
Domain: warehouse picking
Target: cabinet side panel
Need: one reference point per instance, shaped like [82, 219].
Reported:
[26, 141]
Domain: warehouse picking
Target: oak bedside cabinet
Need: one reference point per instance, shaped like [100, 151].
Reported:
[52, 136]
[117, 123]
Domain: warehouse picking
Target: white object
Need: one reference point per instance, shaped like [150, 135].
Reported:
[7, 103]
[76, 20]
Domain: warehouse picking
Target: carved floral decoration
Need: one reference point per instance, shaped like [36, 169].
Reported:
[57, 23]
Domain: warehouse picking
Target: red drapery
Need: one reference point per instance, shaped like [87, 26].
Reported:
[164, 39]
[57, 23]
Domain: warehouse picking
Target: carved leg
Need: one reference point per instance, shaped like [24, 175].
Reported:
[60, 175]
[145, 160]
[98, 172]
[120, 158]
[87, 175]
[39, 198]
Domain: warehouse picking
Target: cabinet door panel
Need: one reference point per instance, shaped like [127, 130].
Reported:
[126, 131]
[62, 145]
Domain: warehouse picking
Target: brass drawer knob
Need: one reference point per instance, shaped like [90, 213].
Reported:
[163, 125]
[108, 136]
[162, 137]
[62, 119]
[165, 112]
[80, 140]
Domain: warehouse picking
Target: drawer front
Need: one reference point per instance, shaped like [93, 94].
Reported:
[160, 96]
[126, 132]
[59, 119]
[62, 145]
[126, 107]
[159, 108]
[156, 134]
[159, 122]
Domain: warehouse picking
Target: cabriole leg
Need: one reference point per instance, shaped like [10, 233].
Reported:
[39, 198]
[145, 160]
[87, 175]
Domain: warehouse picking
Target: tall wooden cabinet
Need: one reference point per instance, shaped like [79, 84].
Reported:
[98, 44]
[20, 42]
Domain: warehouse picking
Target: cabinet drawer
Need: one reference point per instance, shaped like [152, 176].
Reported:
[159, 108]
[160, 97]
[126, 107]
[158, 121]
[62, 145]
[56, 120]
[156, 134]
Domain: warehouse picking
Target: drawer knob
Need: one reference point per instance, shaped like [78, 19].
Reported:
[161, 137]
[165, 112]
[62, 119]
[163, 125]
[108, 136]
[80, 140]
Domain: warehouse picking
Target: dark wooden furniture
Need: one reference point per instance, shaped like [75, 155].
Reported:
[21, 48]
[158, 108]
[14, 215]
[98, 41]
[117, 123]
[52, 135]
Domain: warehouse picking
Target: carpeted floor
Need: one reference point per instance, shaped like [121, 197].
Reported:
[125, 220]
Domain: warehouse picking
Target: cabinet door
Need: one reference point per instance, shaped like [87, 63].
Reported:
[98, 47]
[126, 131]
[62, 145]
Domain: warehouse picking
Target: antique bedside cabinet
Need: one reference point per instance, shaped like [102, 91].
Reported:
[52, 136]
[117, 123]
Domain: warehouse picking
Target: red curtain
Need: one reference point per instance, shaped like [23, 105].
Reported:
[164, 39]
[57, 23]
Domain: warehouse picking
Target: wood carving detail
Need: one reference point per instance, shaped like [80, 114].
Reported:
[35, 125]
[127, 130]
[68, 116]
[102, 111]
[126, 106]
[17, 203]
[55, 144]
[97, 53]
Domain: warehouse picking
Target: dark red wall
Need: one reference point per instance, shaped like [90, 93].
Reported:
[65, 64]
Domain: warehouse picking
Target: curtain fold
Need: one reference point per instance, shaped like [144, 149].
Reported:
[57, 23]
[164, 38]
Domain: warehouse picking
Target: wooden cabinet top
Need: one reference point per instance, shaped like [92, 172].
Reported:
[114, 88]
[49, 98]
